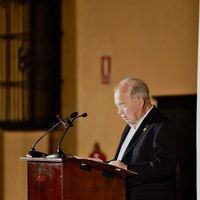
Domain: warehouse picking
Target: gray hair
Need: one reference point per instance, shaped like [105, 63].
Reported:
[136, 87]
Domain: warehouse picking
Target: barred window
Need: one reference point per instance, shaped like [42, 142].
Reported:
[29, 63]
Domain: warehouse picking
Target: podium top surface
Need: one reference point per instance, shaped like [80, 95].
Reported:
[83, 162]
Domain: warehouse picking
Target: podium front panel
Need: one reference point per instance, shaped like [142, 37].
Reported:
[70, 179]
[84, 182]
[44, 181]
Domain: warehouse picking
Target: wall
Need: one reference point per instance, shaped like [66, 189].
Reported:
[17, 145]
[153, 40]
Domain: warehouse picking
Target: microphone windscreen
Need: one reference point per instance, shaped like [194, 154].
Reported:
[84, 115]
[74, 114]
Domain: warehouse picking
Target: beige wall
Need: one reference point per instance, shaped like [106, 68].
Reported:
[16, 145]
[151, 39]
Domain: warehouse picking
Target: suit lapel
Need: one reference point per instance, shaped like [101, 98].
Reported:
[142, 130]
[137, 137]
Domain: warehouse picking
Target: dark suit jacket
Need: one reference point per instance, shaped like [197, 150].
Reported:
[152, 153]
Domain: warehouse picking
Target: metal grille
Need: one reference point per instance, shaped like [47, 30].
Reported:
[28, 63]
[14, 61]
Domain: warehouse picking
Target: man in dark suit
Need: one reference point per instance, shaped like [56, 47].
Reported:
[148, 144]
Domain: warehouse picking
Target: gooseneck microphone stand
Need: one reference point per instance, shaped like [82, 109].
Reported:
[37, 154]
[60, 153]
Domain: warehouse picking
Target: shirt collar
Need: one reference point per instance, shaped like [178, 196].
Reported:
[135, 126]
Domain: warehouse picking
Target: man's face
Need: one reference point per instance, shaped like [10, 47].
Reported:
[128, 108]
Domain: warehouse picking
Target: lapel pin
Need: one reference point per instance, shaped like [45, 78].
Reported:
[145, 128]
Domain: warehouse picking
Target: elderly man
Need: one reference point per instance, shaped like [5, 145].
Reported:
[148, 144]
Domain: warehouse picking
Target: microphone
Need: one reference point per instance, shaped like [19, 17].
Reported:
[68, 121]
[37, 154]
[60, 153]
[83, 115]
[61, 120]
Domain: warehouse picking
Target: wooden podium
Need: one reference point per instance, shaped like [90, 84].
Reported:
[73, 178]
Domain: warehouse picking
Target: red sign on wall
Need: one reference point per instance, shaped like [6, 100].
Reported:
[105, 69]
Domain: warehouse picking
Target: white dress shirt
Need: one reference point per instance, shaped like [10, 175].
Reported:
[126, 142]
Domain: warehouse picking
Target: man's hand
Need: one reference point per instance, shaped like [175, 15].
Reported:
[118, 163]
[96, 159]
